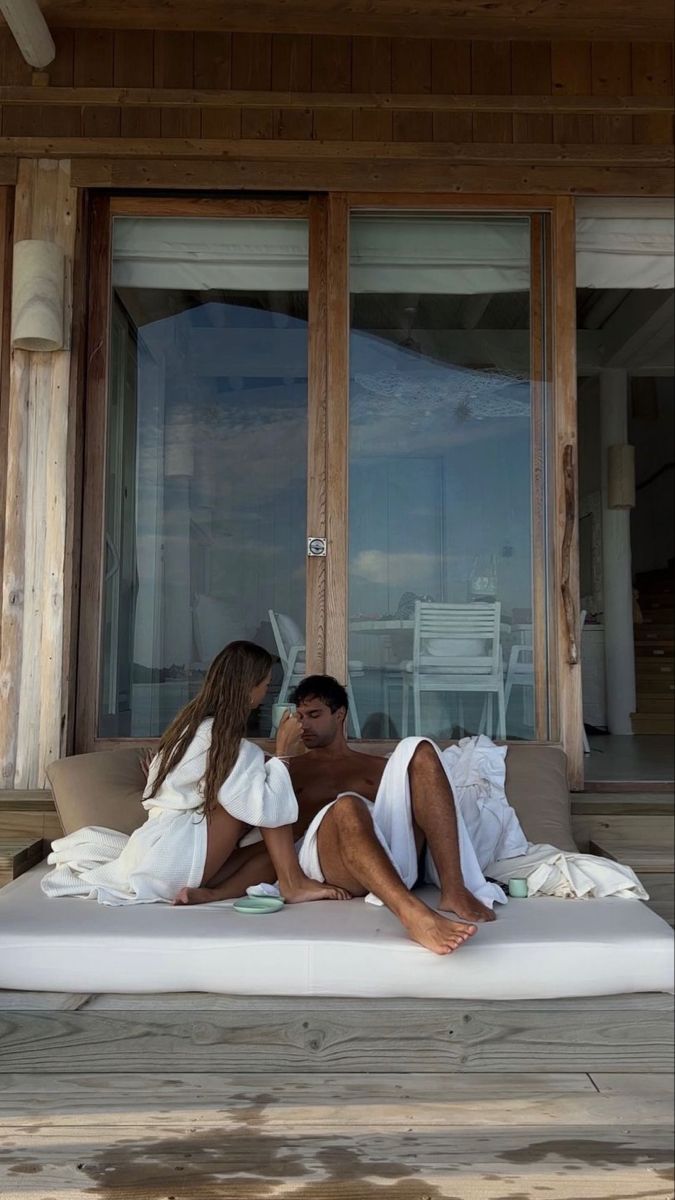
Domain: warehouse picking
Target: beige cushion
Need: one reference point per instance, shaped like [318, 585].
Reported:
[105, 788]
[536, 786]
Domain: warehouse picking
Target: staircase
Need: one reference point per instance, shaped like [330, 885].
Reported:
[655, 653]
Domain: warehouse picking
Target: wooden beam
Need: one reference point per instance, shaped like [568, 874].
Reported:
[565, 499]
[517, 19]
[313, 152]
[412, 177]
[31, 725]
[30, 31]
[386, 101]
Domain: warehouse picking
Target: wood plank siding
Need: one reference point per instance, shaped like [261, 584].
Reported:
[301, 111]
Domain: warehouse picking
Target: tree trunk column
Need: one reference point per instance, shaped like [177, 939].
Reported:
[616, 562]
[32, 699]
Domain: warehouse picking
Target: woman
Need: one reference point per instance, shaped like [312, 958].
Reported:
[206, 786]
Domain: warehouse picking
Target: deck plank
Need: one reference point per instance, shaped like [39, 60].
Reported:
[261, 1035]
[247, 1163]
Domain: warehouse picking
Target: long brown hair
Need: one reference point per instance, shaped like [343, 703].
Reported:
[225, 695]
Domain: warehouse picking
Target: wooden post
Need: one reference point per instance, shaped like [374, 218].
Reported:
[566, 527]
[32, 700]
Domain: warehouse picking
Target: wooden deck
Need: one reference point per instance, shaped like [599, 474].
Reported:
[202, 1097]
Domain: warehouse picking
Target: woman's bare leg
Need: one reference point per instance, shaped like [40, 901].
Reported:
[222, 834]
[294, 885]
[351, 856]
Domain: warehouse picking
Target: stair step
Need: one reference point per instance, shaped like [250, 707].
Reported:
[651, 702]
[651, 668]
[655, 650]
[649, 631]
[655, 611]
[18, 855]
[653, 723]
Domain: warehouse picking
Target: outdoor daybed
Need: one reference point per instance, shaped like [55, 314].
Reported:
[541, 948]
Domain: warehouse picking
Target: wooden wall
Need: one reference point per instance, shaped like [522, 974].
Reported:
[566, 108]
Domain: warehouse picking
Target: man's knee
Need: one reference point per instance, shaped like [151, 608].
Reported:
[425, 754]
[350, 809]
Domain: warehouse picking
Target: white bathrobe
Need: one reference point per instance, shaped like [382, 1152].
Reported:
[168, 852]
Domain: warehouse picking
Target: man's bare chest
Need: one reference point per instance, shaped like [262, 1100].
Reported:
[323, 784]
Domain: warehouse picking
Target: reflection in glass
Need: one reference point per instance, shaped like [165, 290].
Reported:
[441, 475]
[206, 456]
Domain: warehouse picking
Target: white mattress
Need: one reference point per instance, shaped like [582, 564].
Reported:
[536, 949]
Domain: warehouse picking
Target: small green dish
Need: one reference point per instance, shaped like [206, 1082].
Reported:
[258, 905]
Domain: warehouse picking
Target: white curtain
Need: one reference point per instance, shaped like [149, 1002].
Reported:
[620, 244]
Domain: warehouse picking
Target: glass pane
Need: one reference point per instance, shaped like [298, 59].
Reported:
[441, 444]
[206, 457]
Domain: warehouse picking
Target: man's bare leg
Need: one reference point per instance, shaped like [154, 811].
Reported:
[433, 806]
[351, 857]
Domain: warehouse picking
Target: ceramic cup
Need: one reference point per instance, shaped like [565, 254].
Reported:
[278, 711]
[518, 888]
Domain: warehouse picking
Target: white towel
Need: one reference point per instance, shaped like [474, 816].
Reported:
[392, 820]
[551, 872]
[168, 852]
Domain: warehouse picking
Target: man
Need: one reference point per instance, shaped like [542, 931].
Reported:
[335, 787]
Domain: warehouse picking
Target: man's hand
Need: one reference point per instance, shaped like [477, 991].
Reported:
[289, 741]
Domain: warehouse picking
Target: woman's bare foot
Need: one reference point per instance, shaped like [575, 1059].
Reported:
[198, 895]
[435, 932]
[464, 904]
[304, 889]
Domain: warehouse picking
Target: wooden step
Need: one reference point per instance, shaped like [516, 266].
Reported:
[655, 612]
[657, 723]
[28, 813]
[659, 649]
[649, 668]
[17, 855]
[651, 632]
[652, 702]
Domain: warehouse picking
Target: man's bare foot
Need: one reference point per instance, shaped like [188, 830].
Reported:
[435, 932]
[464, 904]
[198, 895]
[308, 889]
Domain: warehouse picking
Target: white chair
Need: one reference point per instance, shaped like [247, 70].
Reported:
[520, 673]
[292, 655]
[456, 649]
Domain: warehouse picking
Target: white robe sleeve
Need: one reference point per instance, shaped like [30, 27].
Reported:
[258, 792]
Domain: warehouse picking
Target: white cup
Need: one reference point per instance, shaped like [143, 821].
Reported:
[278, 711]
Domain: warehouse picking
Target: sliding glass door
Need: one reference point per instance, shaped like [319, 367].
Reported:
[322, 430]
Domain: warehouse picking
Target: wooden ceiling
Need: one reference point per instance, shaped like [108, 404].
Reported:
[514, 19]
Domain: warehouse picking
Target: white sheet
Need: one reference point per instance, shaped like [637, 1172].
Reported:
[536, 949]
[168, 852]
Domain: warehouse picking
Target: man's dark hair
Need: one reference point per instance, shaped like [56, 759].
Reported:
[321, 687]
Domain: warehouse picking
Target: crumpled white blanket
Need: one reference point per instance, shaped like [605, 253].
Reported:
[551, 872]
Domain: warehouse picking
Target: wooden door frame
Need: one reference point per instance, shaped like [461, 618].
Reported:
[104, 209]
[328, 432]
